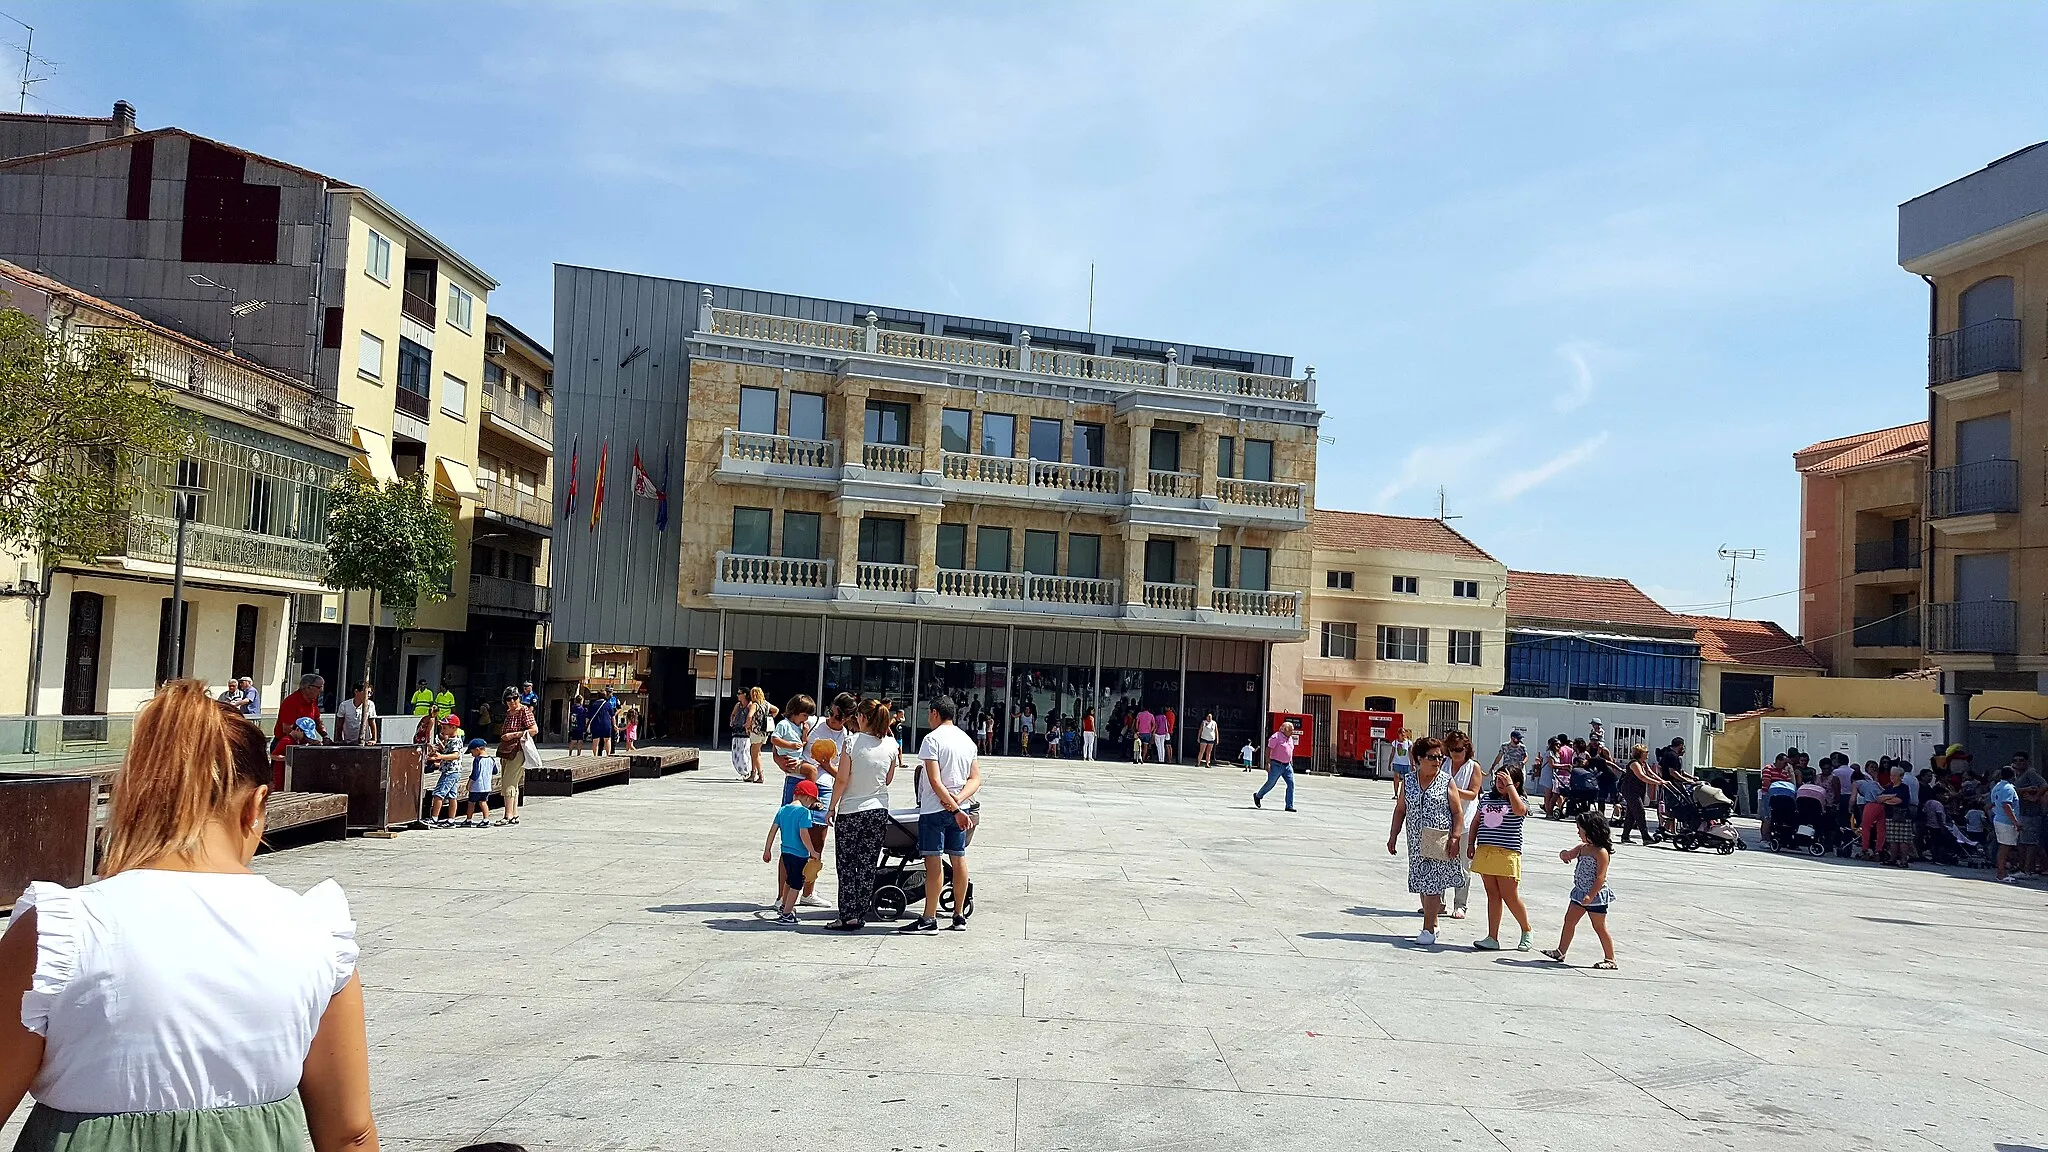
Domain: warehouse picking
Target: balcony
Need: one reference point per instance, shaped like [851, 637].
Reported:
[1892, 555]
[1900, 631]
[1244, 602]
[412, 403]
[1989, 627]
[497, 596]
[245, 389]
[1031, 592]
[515, 503]
[1978, 350]
[970, 474]
[210, 546]
[1177, 485]
[420, 308]
[1169, 597]
[896, 582]
[901, 458]
[528, 418]
[1260, 494]
[1981, 491]
[779, 577]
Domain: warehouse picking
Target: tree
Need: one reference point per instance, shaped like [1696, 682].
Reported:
[393, 540]
[76, 421]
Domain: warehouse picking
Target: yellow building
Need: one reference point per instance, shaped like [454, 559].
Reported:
[1862, 549]
[1405, 615]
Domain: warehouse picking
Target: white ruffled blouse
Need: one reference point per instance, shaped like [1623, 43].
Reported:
[178, 991]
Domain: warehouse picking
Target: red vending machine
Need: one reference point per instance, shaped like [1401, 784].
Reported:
[1304, 737]
[1359, 737]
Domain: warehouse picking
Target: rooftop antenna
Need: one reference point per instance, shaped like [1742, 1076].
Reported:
[1736, 556]
[1091, 297]
[28, 57]
[1443, 506]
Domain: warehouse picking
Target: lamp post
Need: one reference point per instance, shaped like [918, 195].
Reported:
[237, 307]
[184, 503]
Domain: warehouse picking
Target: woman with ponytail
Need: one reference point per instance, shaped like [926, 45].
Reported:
[860, 809]
[184, 1001]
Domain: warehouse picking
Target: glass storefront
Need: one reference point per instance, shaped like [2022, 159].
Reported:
[977, 689]
[1047, 700]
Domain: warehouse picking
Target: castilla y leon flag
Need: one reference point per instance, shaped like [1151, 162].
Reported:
[604, 455]
[643, 484]
[575, 466]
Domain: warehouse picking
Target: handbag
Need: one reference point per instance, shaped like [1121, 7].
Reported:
[1436, 843]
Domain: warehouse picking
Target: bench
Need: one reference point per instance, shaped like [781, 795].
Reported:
[46, 831]
[381, 782]
[654, 763]
[309, 816]
[572, 774]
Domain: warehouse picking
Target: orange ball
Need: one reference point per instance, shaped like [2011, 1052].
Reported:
[824, 751]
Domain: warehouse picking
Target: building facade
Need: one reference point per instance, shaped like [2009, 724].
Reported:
[1861, 549]
[1597, 638]
[1405, 615]
[901, 503]
[509, 595]
[1742, 661]
[1981, 244]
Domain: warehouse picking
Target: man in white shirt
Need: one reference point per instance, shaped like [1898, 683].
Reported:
[355, 719]
[950, 777]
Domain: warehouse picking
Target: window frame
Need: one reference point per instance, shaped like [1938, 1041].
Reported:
[1340, 579]
[868, 548]
[1407, 586]
[1092, 548]
[872, 423]
[1465, 589]
[1265, 569]
[774, 396]
[1040, 424]
[966, 433]
[1267, 445]
[950, 538]
[824, 415]
[458, 388]
[1394, 641]
[1086, 433]
[462, 317]
[767, 528]
[1040, 537]
[379, 245]
[372, 338]
[987, 438]
[1467, 640]
[1220, 567]
[1340, 634]
[985, 534]
[816, 530]
[1226, 457]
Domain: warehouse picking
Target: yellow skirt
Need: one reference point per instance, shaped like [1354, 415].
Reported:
[1491, 860]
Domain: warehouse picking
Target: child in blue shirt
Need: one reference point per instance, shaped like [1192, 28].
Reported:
[793, 822]
[482, 767]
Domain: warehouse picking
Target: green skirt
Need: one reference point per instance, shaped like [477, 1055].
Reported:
[278, 1127]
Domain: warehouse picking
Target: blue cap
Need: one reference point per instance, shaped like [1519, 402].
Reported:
[476, 743]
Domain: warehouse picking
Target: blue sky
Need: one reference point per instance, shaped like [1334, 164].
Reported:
[1595, 269]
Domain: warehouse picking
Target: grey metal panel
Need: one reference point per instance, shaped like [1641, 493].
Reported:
[1121, 650]
[1224, 655]
[871, 638]
[1046, 646]
[965, 642]
[2002, 192]
[760, 632]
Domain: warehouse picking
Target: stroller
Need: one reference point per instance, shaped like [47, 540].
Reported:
[899, 872]
[1947, 845]
[1699, 818]
[1805, 825]
[1581, 792]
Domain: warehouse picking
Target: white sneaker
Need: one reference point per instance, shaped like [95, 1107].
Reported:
[1425, 938]
[812, 902]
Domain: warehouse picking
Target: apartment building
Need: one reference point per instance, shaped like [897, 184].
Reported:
[901, 503]
[508, 567]
[300, 273]
[1597, 638]
[1861, 549]
[94, 640]
[1981, 244]
[1405, 615]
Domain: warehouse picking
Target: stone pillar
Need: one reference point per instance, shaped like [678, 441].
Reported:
[928, 550]
[1955, 723]
[847, 559]
[931, 410]
[1134, 565]
[1205, 572]
[853, 416]
[1206, 460]
[1141, 451]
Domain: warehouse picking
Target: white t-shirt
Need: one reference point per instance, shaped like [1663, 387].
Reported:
[349, 721]
[866, 764]
[178, 991]
[954, 753]
[1208, 732]
[480, 773]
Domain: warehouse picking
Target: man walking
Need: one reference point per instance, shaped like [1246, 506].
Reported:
[355, 719]
[2005, 822]
[950, 775]
[1279, 764]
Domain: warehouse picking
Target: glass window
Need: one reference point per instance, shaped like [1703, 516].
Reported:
[1252, 568]
[1465, 589]
[956, 427]
[1042, 553]
[1340, 641]
[1464, 647]
[1258, 460]
[461, 307]
[454, 395]
[757, 410]
[800, 535]
[888, 422]
[1221, 576]
[370, 356]
[806, 415]
[1226, 457]
[998, 434]
[415, 368]
[378, 261]
[1045, 439]
[1159, 561]
[1091, 446]
[992, 550]
[1410, 645]
[1084, 556]
[1336, 579]
[1406, 585]
[750, 527]
[881, 540]
[952, 546]
[1165, 456]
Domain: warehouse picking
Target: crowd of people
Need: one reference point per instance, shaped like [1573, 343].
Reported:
[1885, 810]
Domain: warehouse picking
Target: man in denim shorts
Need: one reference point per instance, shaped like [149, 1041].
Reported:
[949, 776]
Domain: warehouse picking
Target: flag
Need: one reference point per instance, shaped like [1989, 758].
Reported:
[575, 465]
[643, 484]
[661, 497]
[604, 455]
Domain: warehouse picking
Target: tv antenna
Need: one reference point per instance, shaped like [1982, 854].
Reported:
[1443, 506]
[1736, 556]
[28, 60]
[1091, 297]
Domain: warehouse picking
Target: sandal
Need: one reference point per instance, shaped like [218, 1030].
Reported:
[1554, 955]
[845, 926]
[1605, 966]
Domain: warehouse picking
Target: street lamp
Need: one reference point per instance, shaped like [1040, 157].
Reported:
[184, 504]
[237, 307]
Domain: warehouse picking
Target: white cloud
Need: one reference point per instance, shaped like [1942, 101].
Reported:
[1580, 387]
[1515, 484]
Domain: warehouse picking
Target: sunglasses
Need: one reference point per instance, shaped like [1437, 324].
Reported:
[1431, 759]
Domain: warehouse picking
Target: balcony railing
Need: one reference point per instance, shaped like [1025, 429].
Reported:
[1170, 597]
[211, 546]
[417, 306]
[784, 572]
[1981, 626]
[1899, 631]
[897, 578]
[1184, 485]
[412, 403]
[1990, 346]
[497, 593]
[518, 413]
[512, 500]
[978, 469]
[1245, 602]
[1260, 494]
[224, 381]
[1075, 591]
[981, 585]
[1974, 489]
[788, 451]
[989, 355]
[1061, 476]
[1051, 475]
[892, 457]
[1888, 555]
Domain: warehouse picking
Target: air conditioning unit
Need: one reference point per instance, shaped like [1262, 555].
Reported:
[494, 344]
[1716, 723]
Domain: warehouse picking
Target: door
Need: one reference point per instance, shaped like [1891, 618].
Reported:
[82, 654]
[1987, 300]
[1165, 456]
[243, 662]
[1443, 717]
[1982, 576]
[1985, 438]
[1318, 707]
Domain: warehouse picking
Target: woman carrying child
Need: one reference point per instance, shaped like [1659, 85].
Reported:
[860, 808]
[1590, 893]
[1497, 855]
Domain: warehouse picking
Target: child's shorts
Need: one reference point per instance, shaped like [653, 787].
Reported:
[793, 869]
[449, 786]
[1493, 860]
[483, 798]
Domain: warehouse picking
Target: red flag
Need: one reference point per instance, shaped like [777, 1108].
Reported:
[604, 455]
[575, 466]
[643, 484]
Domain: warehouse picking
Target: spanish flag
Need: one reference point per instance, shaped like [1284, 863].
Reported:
[604, 455]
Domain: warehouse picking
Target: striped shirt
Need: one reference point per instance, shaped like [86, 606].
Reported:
[1498, 824]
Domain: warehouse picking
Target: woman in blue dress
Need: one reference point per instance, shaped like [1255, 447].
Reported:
[1430, 813]
[604, 717]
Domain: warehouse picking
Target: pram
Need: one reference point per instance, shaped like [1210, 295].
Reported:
[1581, 791]
[1805, 824]
[1948, 845]
[899, 871]
[1697, 817]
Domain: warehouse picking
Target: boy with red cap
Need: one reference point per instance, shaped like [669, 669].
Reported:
[793, 821]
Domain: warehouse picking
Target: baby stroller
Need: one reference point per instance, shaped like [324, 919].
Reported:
[1804, 825]
[1947, 845]
[1581, 792]
[899, 873]
[1699, 819]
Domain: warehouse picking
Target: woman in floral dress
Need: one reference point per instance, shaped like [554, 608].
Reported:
[1429, 812]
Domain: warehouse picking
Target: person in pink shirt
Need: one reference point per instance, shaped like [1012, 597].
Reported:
[1148, 726]
[1279, 764]
[1163, 736]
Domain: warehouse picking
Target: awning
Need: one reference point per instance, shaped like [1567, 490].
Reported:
[454, 476]
[376, 455]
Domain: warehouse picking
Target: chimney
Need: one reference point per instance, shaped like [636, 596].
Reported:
[124, 118]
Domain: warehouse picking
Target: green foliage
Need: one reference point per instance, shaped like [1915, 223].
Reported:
[76, 420]
[391, 539]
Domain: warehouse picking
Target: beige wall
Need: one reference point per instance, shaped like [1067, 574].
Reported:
[1841, 510]
[128, 639]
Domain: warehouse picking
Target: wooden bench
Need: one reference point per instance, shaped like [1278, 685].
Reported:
[654, 763]
[46, 831]
[308, 815]
[572, 774]
[381, 782]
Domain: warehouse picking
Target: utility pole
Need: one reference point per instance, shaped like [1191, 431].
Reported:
[1735, 556]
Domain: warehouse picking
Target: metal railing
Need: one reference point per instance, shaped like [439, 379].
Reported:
[874, 577]
[1074, 591]
[1888, 555]
[1184, 485]
[1171, 597]
[1986, 626]
[155, 538]
[768, 448]
[417, 306]
[892, 457]
[412, 403]
[774, 571]
[514, 595]
[224, 381]
[512, 410]
[512, 500]
[1897, 631]
[1245, 602]
[1989, 346]
[1974, 489]
[981, 585]
[1259, 494]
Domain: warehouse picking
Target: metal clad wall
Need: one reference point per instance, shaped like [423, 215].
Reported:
[1126, 651]
[871, 638]
[1225, 656]
[752, 632]
[965, 642]
[1037, 646]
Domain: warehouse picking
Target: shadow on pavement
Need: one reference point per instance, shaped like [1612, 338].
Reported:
[726, 907]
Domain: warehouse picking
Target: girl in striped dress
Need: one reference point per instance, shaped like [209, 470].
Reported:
[1497, 855]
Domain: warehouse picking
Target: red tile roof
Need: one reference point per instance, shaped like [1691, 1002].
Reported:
[1846, 452]
[1346, 530]
[1585, 600]
[1757, 643]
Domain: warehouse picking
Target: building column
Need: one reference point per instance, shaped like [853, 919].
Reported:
[1140, 452]
[1205, 456]
[848, 554]
[928, 550]
[1205, 570]
[853, 415]
[1955, 720]
[928, 428]
[1134, 566]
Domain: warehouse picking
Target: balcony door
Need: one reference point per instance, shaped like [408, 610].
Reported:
[1983, 576]
[807, 415]
[1987, 300]
[757, 410]
[1985, 438]
[1165, 454]
[887, 422]
[881, 541]
[1160, 561]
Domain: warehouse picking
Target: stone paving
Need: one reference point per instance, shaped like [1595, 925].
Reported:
[1155, 964]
